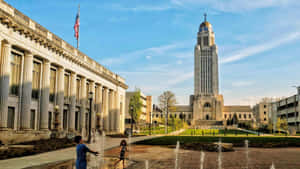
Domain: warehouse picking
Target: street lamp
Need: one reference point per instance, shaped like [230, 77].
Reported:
[131, 112]
[90, 97]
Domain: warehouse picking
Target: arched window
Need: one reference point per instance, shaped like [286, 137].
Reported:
[207, 105]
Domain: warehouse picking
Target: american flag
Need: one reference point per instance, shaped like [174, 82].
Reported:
[76, 26]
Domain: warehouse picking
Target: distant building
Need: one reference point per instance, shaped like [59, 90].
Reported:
[262, 111]
[289, 108]
[243, 113]
[149, 109]
[157, 114]
[144, 116]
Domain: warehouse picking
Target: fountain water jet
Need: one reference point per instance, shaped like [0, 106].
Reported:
[220, 154]
[177, 155]
[272, 166]
[146, 164]
[202, 156]
[247, 153]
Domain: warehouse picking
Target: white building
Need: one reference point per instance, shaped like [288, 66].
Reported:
[45, 83]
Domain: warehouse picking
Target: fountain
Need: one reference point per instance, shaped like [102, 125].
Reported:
[129, 146]
[102, 149]
[176, 154]
[247, 153]
[272, 166]
[220, 154]
[202, 156]
[146, 164]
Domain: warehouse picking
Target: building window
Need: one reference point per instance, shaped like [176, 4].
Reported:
[240, 116]
[50, 120]
[32, 119]
[205, 40]
[77, 122]
[245, 116]
[265, 113]
[265, 119]
[199, 40]
[11, 117]
[156, 115]
[190, 116]
[65, 119]
[52, 84]
[265, 106]
[207, 105]
[36, 74]
[249, 116]
[175, 115]
[15, 73]
[225, 116]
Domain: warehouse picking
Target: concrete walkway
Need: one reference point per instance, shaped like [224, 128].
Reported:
[58, 155]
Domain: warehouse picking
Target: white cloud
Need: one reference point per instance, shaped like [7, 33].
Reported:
[242, 83]
[252, 50]
[148, 57]
[179, 62]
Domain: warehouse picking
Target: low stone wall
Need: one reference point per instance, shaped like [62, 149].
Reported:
[14, 137]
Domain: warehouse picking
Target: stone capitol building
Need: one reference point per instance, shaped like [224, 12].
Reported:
[206, 105]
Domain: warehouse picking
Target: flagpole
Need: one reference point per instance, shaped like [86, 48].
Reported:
[78, 26]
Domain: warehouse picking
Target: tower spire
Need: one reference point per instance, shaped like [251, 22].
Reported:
[205, 15]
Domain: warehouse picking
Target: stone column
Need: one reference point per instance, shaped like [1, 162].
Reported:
[105, 110]
[5, 49]
[60, 96]
[99, 106]
[92, 89]
[72, 102]
[83, 100]
[117, 112]
[26, 91]
[111, 110]
[45, 96]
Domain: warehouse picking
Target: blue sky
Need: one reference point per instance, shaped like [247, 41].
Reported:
[151, 43]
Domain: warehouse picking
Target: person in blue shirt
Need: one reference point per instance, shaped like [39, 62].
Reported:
[81, 150]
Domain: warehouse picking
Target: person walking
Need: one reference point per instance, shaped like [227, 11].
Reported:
[81, 150]
[123, 149]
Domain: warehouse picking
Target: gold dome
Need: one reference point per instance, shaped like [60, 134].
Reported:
[205, 24]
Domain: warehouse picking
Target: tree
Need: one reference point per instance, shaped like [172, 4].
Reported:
[270, 126]
[135, 107]
[167, 101]
[278, 124]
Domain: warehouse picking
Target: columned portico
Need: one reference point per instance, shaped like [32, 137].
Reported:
[43, 83]
[26, 91]
[45, 96]
[5, 49]
[117, 112]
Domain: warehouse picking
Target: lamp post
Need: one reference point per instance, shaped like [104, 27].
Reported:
[90, 97]
[131, 112]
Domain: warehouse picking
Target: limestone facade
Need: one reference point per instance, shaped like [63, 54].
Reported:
[207, 102]
[45, 83]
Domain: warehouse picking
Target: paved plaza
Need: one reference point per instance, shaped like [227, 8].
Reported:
[59, 155]
[259, 158]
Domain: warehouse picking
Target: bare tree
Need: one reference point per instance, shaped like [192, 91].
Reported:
[167, 101]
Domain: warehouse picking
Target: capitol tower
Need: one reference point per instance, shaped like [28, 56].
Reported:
[207, 103]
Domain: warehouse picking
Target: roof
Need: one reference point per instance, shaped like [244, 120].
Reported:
[237, 109]
[183, 108]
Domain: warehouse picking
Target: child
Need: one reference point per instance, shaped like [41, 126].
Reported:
[123, 149]
[81, 150]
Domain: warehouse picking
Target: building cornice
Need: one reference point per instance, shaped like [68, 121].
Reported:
[21, 23]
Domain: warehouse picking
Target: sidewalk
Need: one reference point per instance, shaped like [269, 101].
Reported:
[59, 155]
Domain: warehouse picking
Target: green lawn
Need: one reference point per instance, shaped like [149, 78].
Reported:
[217, 132]
[254, 141]
[155, 130]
